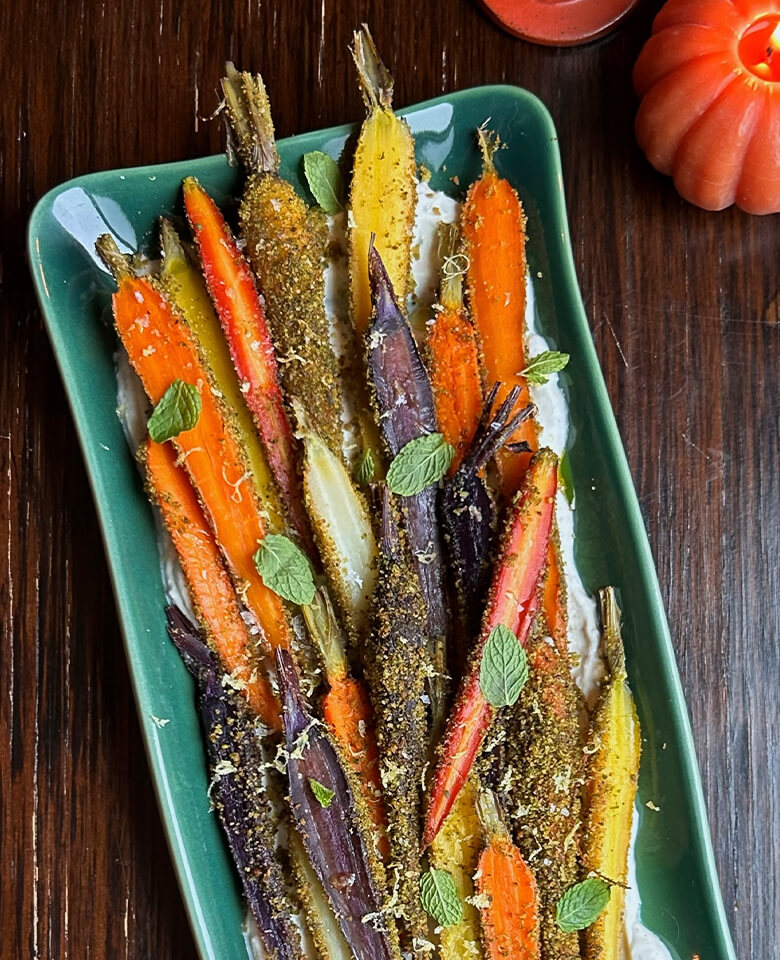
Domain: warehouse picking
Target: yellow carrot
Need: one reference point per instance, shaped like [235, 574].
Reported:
[382, 197]
[456, 848]
[610, 788]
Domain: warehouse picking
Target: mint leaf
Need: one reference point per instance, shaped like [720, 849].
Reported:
[419, 464]
[365, 468]
[504, 668]
[322, 794]
[178, 410]
[324, 179]
[439, 897]
[285, 569]
[544, 365]
[581, 904]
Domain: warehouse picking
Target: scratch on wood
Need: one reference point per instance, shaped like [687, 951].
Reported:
[617, 342]
[690, 443]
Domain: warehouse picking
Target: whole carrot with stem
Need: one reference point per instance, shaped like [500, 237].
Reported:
[163, 349]
[347, 710]
[453, 357]
[285, 244]
[507, 888]
[210, 586]
[237, 301]
[512, 604]
[493, 225]
[383, 191]
[610, 787]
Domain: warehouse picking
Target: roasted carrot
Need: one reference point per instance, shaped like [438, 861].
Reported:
[240, 310]
[185, 286]
[493, 224]
[212, 592]
[382, 196]
[341, 525]
[347, 711]
[554, 595]
[456, 849]
[513, 602]
[452, 353]
[396, 666]
[610, 787]
[285, 243]
[162, 349]
[507, 888]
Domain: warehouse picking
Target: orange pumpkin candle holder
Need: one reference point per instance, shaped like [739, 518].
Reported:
[709, 82]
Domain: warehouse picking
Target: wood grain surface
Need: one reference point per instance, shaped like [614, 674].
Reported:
[685, 311]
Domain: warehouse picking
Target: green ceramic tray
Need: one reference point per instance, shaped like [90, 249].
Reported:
[676, 874]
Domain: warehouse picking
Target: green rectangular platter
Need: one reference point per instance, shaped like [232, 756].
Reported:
[676, 874]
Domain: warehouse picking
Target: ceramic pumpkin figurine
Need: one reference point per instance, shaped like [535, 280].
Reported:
[709, 82]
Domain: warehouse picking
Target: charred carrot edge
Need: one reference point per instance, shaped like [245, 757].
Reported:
[348, 713]
[510, 914]
[453, 355]
[513, 601]
[493, 225]
[209, 583]
[162, 349]
[240, 310]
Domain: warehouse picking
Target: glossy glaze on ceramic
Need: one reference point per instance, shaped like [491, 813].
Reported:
[676, 876]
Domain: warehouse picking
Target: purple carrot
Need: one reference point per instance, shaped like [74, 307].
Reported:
[330, 825]
[468, 510]
[406, 412]
[239, 795]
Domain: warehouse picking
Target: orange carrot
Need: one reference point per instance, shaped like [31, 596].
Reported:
[233, 290]
[513, 602]
[347, 710]
[454, 359]
[510, 916]
[493, 224]
[208, 580]
[554, 597]
[162, 349]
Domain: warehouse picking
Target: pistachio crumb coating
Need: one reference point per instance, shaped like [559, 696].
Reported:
[396, 667]
[540, 784]
[286, 246]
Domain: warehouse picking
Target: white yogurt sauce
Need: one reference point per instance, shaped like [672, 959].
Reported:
[433, 208]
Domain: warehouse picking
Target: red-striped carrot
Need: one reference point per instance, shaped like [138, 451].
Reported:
[208, 580]
[513, 602]
[493, 225]
[234, 292]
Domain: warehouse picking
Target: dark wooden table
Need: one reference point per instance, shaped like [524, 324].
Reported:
[685, 312]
